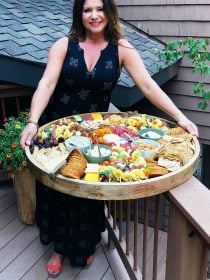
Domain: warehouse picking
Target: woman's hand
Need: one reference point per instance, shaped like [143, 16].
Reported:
[188, 125]
[28, 135]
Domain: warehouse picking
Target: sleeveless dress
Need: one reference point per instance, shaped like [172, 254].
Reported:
[74, 224]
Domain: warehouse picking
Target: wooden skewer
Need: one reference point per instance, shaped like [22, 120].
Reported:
[96, 138]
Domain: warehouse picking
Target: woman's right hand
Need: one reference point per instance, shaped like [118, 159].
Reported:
[28, 135]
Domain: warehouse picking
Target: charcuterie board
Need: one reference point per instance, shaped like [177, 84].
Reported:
[129, 172]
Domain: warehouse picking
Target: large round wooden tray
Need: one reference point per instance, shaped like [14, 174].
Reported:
[112, 190]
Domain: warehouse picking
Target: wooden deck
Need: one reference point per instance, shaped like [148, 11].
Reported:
[23, 257]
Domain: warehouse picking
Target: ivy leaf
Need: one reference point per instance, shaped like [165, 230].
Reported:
[197, 88]
[202, 105]
[194, 72]
[198, 55]
[207, 95]
[159, 67]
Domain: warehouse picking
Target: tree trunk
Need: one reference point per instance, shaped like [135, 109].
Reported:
[24, 184]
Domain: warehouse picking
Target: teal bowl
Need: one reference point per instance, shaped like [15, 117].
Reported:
[92, 154]
[80, 142]
[151, 133]
[147, 147]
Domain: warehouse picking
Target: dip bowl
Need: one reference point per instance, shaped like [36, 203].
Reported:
[151, 133]
[97, 153]
[147, 147]
[78, 142]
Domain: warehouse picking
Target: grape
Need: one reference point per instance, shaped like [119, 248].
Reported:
[31, 148]
[60, 140]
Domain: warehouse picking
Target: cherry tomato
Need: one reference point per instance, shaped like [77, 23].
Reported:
[106, 162]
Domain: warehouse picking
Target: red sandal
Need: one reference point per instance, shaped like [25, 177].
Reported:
[89, 261]
[55, 268]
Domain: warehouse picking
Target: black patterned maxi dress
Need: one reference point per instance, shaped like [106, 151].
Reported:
[75, 224]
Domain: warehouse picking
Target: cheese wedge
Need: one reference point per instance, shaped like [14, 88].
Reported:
[92, 176]
[92, 172]
[96, 116]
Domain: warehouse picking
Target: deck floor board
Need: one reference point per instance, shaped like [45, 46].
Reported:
[24, 257]
[8, 215]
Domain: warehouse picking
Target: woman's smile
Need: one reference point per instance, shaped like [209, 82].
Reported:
[95, 23]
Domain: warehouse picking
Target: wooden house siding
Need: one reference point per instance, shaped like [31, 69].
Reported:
[169, 20]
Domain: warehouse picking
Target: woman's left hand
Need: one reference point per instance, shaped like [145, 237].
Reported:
[188, 125]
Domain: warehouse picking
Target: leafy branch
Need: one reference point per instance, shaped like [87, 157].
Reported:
[199, 57]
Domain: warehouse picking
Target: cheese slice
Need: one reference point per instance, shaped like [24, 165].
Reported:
[92, 172]
[96, 116]
[92, 176]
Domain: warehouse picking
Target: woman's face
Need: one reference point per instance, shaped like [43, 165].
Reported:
[93, 17]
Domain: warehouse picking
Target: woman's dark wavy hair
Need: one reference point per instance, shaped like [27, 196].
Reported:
[113, 31]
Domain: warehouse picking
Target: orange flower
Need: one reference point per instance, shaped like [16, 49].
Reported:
[9, 155]
[20, 168]
[8, 168]
[14, 145]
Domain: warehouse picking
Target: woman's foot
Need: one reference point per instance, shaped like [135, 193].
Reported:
[89, 262]
[54, 266]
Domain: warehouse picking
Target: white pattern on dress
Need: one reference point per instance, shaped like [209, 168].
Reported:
[73, 62]
[83, 94]
[69, 82]
[107, 85]
[65, 98]
[106, 98]
[109, 64]
[93, 107]
[91, 73]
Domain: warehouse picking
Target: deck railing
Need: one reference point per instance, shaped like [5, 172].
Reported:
[188, 235]
[188, 226]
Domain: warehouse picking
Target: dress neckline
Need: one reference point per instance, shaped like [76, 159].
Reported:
[97, 61]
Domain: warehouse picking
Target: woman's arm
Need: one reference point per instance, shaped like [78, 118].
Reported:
[45, 89]
[130, 59]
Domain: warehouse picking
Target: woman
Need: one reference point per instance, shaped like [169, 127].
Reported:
[82, 70]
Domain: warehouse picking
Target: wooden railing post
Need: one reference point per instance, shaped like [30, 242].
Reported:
[186, 253]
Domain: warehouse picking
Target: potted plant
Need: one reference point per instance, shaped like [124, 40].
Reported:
[13, 159]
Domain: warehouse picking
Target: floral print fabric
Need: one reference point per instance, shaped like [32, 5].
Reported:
[74, 225]
[80, 90]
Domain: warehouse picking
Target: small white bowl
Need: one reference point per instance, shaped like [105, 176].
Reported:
[147, 147]
[151, 133]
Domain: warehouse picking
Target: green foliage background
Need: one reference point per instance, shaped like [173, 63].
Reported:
[198, 55]
[12, 157]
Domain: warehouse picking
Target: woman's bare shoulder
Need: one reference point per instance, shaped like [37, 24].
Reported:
[125, 48]
[61, 43]
[123, 43]
[126, 51]
[59, 47]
